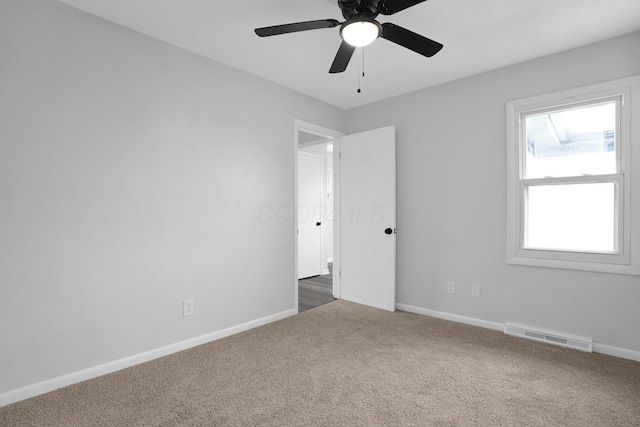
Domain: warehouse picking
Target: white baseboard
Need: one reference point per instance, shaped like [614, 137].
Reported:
[96, 371]
[616, 351]
[453, 317]
[127, 362]
[609, 350]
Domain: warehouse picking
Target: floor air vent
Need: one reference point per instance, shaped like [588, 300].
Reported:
[563, 340]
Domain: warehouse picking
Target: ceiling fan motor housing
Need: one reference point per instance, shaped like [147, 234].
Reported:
[352, 9]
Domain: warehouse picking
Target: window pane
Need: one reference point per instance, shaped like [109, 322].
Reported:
[571, 142]
[571, 217]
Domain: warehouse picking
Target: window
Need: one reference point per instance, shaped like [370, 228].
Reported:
[569, 181]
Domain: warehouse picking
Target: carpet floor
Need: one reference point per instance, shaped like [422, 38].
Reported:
[343, 364]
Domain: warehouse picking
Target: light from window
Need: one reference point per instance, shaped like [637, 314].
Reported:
[573, 217]
[571, 142]
[560, 144]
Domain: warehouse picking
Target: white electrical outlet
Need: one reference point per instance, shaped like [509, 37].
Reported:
[187, 307]
[475, 291]
[451, 287]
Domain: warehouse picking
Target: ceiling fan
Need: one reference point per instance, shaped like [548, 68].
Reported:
[361, 29]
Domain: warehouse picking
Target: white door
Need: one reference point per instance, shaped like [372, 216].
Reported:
[368, 218]
[309, 215]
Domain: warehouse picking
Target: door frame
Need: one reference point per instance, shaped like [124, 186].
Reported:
[334, 135]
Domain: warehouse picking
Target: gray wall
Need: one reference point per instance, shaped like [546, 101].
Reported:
[451, 166]
[132, 174]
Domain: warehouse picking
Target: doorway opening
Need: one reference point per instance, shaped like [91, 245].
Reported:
[315, 222]
[364, 203]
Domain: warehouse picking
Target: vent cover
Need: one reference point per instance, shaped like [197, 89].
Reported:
[555, 338]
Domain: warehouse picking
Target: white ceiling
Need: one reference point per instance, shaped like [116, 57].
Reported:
[478, 35]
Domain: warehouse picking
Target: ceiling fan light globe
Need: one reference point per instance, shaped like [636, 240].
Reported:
[360, 33]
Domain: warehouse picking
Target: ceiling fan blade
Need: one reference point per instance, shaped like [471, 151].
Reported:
[345, 52]
[410, 40]
[390, 7]
[295, 27]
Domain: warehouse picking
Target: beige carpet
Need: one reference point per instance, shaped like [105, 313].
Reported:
[343, 364]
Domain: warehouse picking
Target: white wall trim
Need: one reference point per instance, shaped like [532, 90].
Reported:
[127, 362]
[453, 317]
[616, 351]
[609, 350]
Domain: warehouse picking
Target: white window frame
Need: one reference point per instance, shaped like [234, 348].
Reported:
[626, 260]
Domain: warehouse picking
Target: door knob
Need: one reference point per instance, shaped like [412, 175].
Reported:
[388, 231]
[318, 224]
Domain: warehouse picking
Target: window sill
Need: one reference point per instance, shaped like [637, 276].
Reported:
[575, 265]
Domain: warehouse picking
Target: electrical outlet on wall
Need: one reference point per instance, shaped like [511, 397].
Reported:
[475, 291]
[451, 287]
[187, 307]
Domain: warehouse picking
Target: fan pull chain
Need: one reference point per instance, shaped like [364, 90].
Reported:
[360, 62]
[358, 71]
